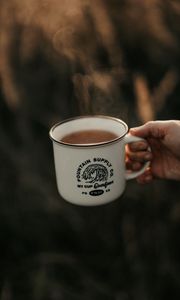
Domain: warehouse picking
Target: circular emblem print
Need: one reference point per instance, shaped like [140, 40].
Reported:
[94, 173]
[95, 176]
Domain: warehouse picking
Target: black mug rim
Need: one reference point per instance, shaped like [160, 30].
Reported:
[87, 145]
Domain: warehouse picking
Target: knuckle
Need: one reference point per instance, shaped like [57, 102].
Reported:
[150, 123]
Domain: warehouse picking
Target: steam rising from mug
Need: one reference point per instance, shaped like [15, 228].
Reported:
[88, 31]
[81, 31]
[90, 34]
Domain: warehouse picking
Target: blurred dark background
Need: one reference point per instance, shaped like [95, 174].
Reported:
[60, 59]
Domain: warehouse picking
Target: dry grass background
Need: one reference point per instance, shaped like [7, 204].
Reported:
[63, 58]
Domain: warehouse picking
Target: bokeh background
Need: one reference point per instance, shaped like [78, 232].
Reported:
[60, 59]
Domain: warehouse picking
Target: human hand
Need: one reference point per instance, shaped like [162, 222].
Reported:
[163, 137]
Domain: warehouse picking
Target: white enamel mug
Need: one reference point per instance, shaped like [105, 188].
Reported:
[92, 174]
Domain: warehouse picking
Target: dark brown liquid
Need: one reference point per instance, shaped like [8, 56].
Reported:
[89, 137]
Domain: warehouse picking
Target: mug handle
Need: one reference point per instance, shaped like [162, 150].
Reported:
[130, 174]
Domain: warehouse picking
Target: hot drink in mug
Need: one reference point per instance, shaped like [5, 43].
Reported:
[93, 136]
[89, 155]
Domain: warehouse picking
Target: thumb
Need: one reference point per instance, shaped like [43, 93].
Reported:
[155, 129]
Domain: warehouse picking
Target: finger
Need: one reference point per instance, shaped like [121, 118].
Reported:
[138, 146]
[155, 129]
[133, 165]
[141, 156]
[146, 177]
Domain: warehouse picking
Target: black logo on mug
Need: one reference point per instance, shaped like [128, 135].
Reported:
[94, 176]
[94, 173]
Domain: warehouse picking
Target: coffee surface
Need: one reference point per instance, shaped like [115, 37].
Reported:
[89, 137]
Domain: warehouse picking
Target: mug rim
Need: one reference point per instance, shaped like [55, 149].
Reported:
[90, 144]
